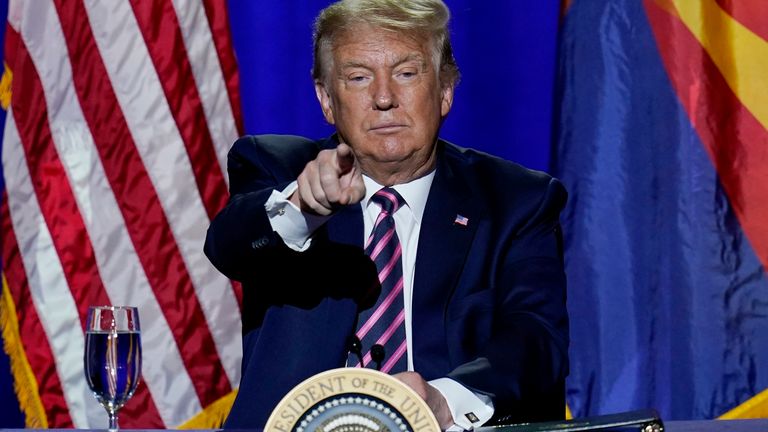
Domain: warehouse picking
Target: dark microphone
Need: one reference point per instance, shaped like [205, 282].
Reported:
[377, 354]
[355, 347]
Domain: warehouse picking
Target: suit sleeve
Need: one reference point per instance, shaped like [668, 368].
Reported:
[242, 245]
[240, 238]
[524, 363]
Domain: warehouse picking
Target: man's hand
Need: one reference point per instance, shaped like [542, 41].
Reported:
[330, 181]
[431, 395]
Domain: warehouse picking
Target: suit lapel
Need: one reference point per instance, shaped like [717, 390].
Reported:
[443, 247]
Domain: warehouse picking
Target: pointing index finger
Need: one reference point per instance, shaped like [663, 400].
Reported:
[345, 158]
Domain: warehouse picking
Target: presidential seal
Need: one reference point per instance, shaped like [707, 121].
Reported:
[352, 400]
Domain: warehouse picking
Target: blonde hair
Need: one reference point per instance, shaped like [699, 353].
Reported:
[426, 19]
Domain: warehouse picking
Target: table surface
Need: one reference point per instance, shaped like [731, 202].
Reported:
[751, 425]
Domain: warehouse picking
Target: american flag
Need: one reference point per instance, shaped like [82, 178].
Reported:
[114, 153]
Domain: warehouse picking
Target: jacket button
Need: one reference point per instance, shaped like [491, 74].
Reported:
[260, 243]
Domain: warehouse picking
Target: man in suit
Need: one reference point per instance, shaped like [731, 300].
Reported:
[464, 250]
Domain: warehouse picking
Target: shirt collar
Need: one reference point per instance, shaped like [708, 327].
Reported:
[415, 193]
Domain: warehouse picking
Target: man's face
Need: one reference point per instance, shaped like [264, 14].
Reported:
[383, 94]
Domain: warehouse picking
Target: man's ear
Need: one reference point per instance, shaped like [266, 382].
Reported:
[325, 101]
[446, 98]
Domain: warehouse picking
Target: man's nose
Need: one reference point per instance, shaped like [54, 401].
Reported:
[384, 97]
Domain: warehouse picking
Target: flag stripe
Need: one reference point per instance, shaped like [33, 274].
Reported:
[209, 76]
[37, 349]
[741, 56]
[216, 10]
[736, 141]
[107, 200]
[144, 218]
[160, 29]
[51, 186]
[46, 280]
[36, 346]
[142, 102]
[115, 256]
[58, 206]
[751, 13]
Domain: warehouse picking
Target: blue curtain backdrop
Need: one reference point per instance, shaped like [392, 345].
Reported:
[506, 51]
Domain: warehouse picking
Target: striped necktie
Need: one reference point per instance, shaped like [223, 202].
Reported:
[384, 324]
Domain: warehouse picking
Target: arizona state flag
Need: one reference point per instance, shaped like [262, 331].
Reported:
[663, 145]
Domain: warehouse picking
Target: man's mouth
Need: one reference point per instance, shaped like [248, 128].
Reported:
[387, 128]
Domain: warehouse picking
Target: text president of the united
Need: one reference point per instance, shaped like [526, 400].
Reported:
[448, 259]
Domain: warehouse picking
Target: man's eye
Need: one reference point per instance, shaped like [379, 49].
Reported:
[357, 78]
[407, 74]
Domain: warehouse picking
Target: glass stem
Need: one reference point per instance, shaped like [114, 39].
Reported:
[112, 419]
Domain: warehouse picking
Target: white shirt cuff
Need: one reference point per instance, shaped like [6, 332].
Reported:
[469, 409]
[293, 226]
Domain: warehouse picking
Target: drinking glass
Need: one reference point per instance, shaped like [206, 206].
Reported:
[112, 356]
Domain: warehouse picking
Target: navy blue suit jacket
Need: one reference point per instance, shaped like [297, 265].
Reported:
[488, 299]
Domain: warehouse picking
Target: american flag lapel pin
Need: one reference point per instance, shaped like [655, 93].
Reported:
[461, 220]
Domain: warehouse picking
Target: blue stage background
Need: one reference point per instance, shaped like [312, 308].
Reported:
[506, 52]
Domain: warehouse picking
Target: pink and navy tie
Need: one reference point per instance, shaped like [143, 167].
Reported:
[383, 325]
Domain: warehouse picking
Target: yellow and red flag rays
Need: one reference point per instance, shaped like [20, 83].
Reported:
[716, 55]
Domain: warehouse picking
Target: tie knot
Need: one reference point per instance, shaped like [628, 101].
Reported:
[388, 199]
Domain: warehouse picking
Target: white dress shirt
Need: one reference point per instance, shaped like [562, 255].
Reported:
[296, 228]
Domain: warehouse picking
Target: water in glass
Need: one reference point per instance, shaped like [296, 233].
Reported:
[113, 356]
